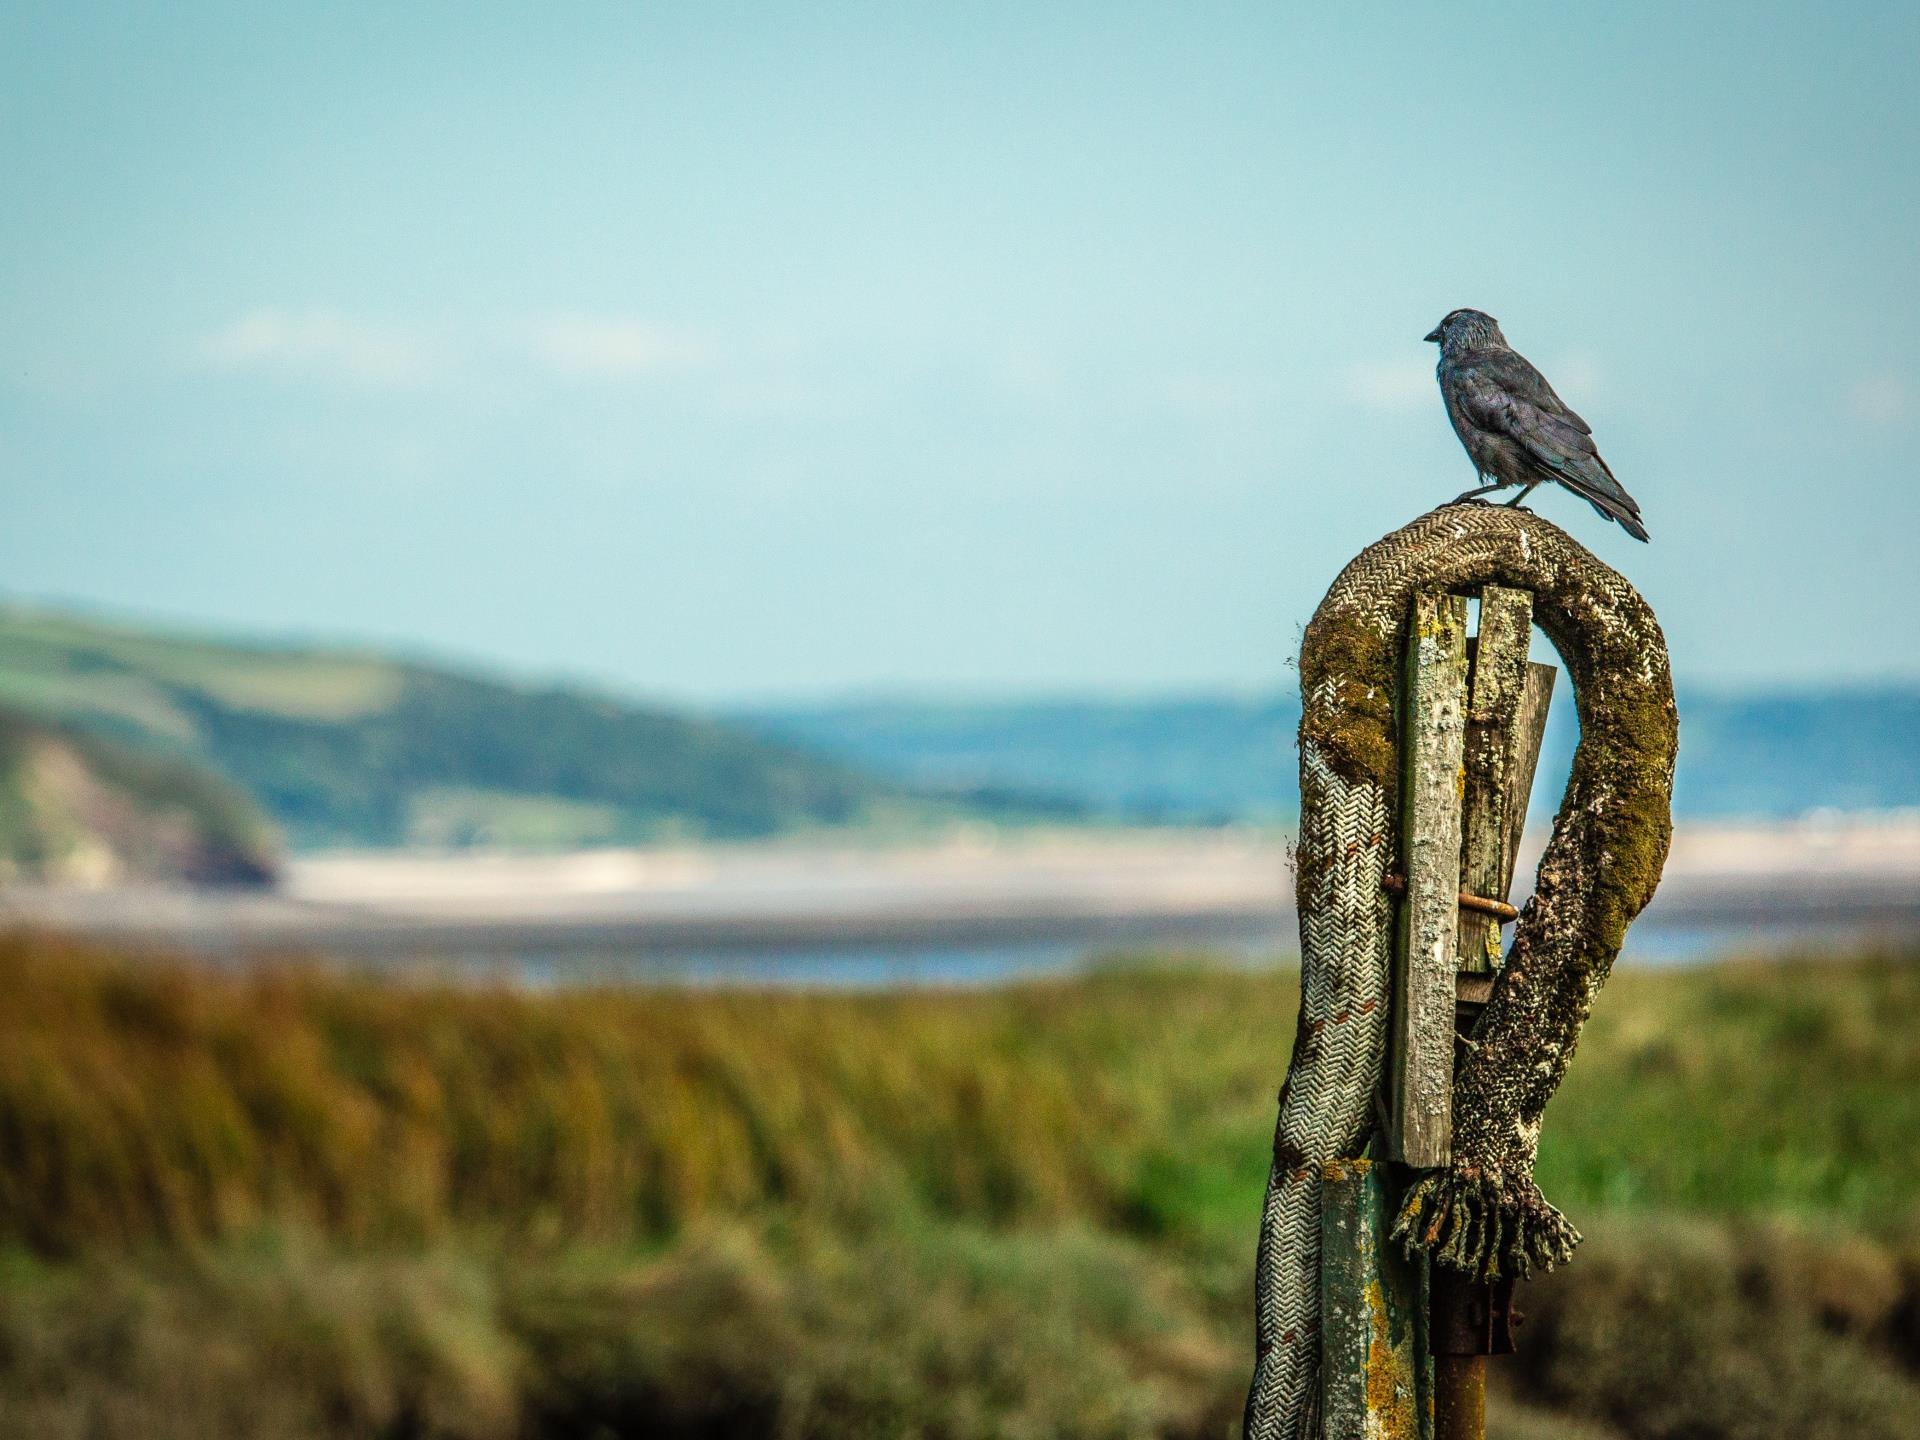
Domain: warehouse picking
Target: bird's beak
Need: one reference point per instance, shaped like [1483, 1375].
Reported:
[1434, 335]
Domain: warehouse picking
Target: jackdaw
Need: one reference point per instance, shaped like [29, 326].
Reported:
[1516, 430]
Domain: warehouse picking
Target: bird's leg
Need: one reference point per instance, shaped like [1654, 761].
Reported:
[1465, 496]
[1515, 501]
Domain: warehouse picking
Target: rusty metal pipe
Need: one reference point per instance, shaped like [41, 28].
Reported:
[1499, 909]
[1459, 1397]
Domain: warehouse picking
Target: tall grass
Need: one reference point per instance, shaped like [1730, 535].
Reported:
[152, 1102]
[294, 1202]
[143, 1101]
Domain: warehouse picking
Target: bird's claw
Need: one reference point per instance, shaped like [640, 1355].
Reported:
[1468, 499]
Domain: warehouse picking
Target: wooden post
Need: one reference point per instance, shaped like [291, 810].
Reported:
[1433, 723]
[1507, 719]
[1375, 1377]
[1469, 745]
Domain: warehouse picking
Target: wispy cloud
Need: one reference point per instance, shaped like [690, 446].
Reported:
[597, 347]
[1209, 396]
[317, 341]
[1882, 400]
[1577, 377]
[1401, 386]
[1392, 385]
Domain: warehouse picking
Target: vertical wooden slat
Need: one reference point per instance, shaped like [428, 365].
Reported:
[1375, 1372]
[1498, 680]
[1434, 689]
[1529, 728]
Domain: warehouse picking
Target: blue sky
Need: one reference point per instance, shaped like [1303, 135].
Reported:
[725, 351]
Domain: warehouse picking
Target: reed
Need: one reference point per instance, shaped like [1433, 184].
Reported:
[293, 1202]
[144, 1101]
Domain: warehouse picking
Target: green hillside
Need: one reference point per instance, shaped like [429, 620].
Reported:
[80, 808]
[346, 748]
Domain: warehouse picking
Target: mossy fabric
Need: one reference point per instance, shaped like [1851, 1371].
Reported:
[1482, 1213]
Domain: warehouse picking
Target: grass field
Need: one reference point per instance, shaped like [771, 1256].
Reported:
[293, 1203]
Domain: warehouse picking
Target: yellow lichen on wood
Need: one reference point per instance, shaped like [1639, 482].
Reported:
[1374, 1365]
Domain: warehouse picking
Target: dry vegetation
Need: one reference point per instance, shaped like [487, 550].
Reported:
[292, 1203]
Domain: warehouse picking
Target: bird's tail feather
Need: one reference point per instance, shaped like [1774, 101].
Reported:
[1607, 495]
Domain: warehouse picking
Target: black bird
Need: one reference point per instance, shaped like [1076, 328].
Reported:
[1516, 430]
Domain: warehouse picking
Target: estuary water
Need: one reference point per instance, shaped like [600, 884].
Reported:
[909, 965]
[980, 909]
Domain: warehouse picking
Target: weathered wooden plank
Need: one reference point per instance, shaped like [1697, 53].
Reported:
[1433, 723]
[1375, 1372]
[1529, 729]
[1498, 678]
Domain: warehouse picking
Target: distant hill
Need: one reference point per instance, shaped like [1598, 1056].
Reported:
[1201, 760]
[349, 748]
[345, 748]
[77, 808]
[1212, 760]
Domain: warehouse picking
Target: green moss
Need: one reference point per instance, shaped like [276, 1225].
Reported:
[1630, 739]
[1347, 686]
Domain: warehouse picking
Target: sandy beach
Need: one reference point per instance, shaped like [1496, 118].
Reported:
[1848, 871]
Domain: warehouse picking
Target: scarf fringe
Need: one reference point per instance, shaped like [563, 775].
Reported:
[1487, 1228]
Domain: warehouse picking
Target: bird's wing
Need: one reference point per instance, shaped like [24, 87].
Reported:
[1503, 394]
[1514, 374]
